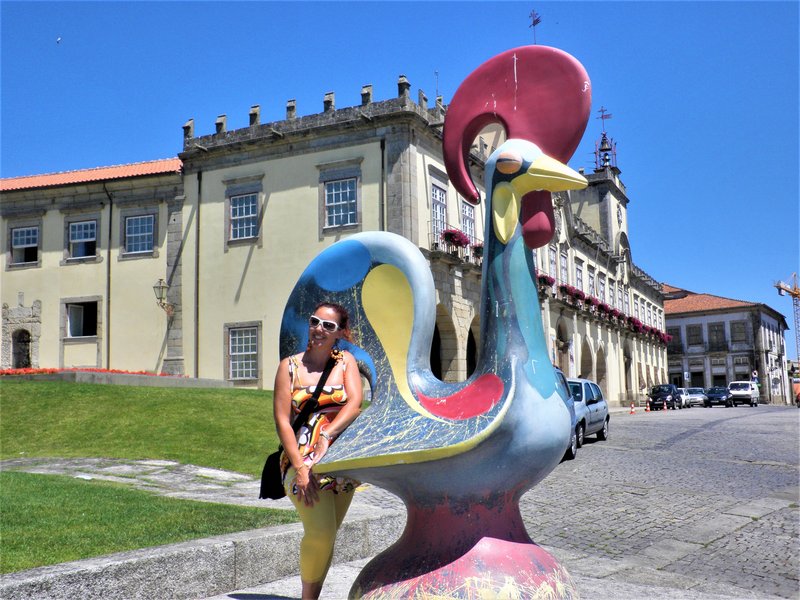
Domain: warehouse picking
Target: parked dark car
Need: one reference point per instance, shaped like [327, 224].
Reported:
[718, 395]
[665, 395]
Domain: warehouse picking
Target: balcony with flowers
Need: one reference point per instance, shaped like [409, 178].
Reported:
[596, 310]
[452, 243]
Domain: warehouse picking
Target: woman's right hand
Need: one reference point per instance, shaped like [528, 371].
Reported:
[306, 486]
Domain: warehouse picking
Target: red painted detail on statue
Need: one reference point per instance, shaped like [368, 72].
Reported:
[536, 216]
[536, 93]
[492, 568]
[476, 399]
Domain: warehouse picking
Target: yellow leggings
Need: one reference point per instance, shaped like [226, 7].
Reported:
[320, 524]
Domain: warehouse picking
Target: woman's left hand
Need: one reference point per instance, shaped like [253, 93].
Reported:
[321, 448]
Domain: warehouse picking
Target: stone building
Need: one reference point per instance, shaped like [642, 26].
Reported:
[222, 232]
[81, 252]
[717, 340]
[603, 314]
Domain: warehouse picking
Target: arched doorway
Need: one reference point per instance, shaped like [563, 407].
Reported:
[436, 353]
[562, 347]
[21, 349]
[586, 361]
[601, 371]
[627, 360]
[473, 345]
[447, 354]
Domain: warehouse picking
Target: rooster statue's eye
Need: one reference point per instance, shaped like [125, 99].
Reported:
[508, 163]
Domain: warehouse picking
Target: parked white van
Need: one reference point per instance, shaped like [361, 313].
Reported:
[744, 392]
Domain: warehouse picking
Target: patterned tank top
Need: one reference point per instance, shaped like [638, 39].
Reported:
[331, 400]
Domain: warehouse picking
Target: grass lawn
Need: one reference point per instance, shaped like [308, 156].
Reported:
[219, 428]
[48, 519]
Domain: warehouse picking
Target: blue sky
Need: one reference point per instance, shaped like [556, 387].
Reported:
[704, 98]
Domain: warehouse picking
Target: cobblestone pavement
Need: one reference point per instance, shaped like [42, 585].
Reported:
[710, 494]
[703, 499]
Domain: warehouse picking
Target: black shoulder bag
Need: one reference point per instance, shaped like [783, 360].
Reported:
[271, 477]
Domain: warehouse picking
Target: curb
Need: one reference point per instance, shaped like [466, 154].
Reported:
[198, 568]
[169, 381]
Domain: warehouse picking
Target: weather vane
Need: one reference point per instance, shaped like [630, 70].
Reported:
[604, 114]
[535, 20]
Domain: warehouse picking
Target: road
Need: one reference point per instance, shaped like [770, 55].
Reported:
[701, 494]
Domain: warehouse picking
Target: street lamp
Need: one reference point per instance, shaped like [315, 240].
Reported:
[160, 290]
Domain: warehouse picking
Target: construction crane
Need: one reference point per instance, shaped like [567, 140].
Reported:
[793, 290]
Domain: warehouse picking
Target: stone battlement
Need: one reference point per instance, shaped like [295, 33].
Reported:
[367, 111]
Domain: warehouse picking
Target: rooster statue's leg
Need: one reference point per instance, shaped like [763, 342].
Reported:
[464, 548]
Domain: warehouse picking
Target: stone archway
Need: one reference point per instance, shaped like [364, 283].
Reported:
[587, 363]
[21, 349]
[436, 353]
[563, 342]
[446, 338]
[601, 370]
[627, 360]
[473, 345]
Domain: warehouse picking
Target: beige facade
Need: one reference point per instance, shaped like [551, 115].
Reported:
[70, 285]
[603, 315]
[242, 214]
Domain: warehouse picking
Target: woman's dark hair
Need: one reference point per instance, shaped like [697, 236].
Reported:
[341, 311]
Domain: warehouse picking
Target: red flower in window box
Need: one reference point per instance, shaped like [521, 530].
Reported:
[546, 280]
[455, 237]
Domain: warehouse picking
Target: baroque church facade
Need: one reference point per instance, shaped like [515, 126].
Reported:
[184, 265]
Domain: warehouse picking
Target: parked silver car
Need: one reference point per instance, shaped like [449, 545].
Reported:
[683, 398]
[569, 401]
[696, 396]
[591, 410]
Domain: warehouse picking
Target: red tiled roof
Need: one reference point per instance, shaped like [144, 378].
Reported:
[153, 167]
[688, 302]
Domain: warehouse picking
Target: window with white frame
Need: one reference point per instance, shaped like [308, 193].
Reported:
[601, 287]
[552, 254]
[612, 293]
[438, 211]
[82, 239]
[626, 300]
[636, 306]
[81, 319]
[341, 207]
[243, 353]
[468, 220]
[579, 274]
[244, 217]
[649, 314]
[139, 234]
[24, 245]
[563, 267]
[591, 291]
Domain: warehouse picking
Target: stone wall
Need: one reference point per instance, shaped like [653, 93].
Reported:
[14, 319]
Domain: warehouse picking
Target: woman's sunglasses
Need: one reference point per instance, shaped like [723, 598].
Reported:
[330, 326]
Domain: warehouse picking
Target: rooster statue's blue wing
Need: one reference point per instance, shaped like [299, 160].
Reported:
[386, 285]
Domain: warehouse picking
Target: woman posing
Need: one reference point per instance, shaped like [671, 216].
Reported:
[320, 500]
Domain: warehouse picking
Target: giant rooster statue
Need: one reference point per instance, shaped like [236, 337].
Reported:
[461, 455]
